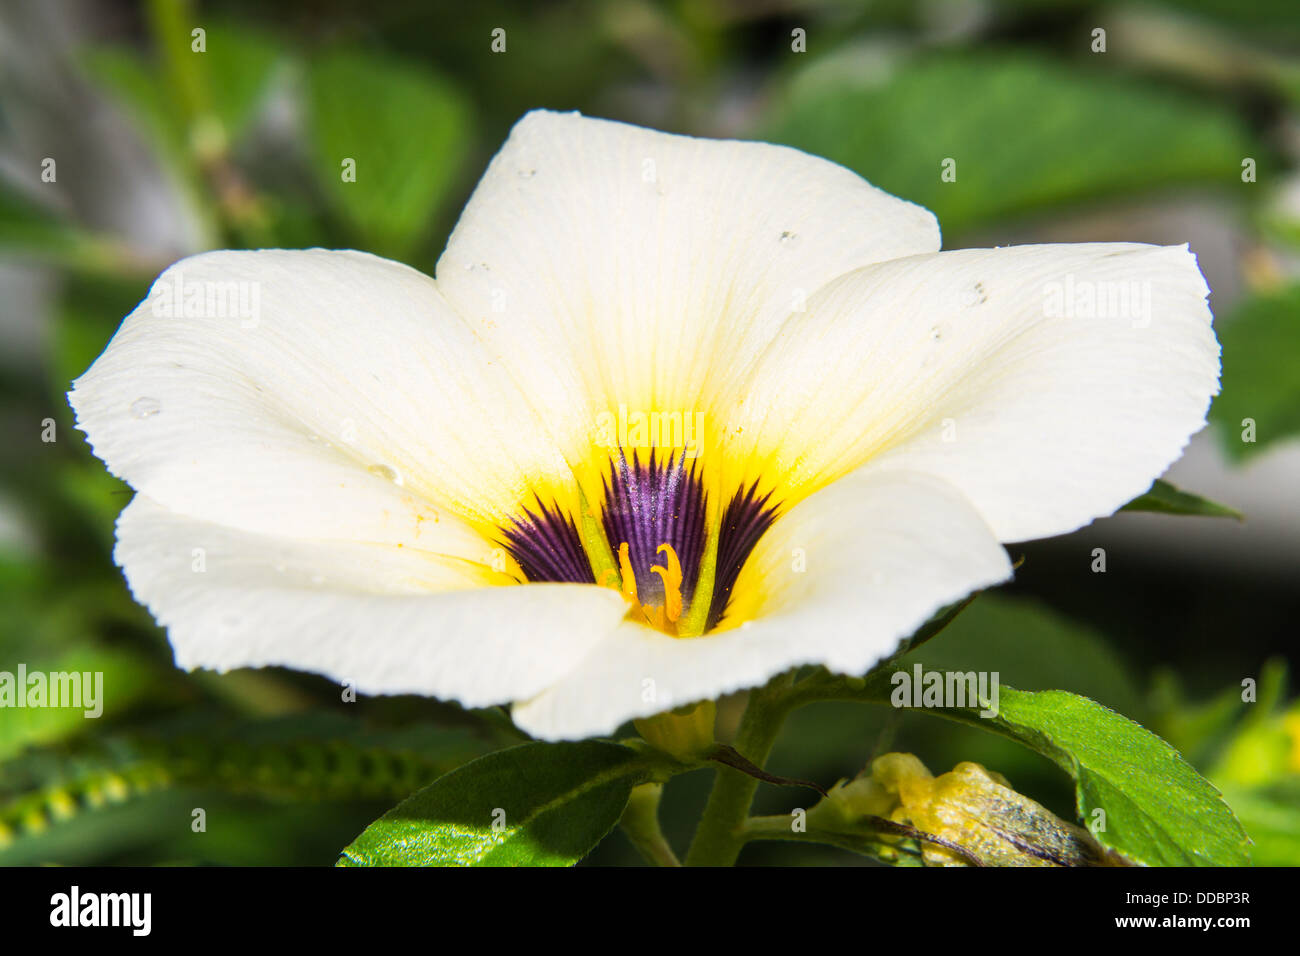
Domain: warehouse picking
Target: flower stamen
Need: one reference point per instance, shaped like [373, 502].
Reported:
[664, 616]
[629, 576]
[672, 578]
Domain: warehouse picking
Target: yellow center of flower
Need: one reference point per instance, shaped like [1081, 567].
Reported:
[663, 616]
[657, 526]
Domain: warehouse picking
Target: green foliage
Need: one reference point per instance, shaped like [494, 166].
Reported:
[191, 108]
[1164, 498]
[32, 233]
[537, 804]
[1199, 730]
[226, 82]
[1032, 647]
[1250, 747]
[1028, 644]
[125, 678]
[406, 129]
[1261, 339]
[239, 68]
[285, 782]
[1024, 133]
[1157, 810]
[302, 758]
[1271, 815]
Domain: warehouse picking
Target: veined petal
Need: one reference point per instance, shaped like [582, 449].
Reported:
[1050, 384]
[311, 394]
[355, 612]
[612, 266]
[839, 580]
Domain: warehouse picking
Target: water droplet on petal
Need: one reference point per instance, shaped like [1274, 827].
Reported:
[788, 236]
[144, 407]
[387, 472]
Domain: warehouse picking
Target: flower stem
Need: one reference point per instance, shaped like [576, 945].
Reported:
[720, 835]
[641, 824]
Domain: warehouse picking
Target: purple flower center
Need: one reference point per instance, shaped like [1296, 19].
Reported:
[647, 503]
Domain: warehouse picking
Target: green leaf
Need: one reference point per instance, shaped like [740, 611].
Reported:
[407, 131]
[1022, 132]
[938, 621]
[538, 804]
[1158, 810]
[1164, 498]
[1260, 339]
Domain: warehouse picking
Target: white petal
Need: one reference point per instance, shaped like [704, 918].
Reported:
[346, 400]
[883, 552]
[612, 264]
[964, 365]
[354, 612]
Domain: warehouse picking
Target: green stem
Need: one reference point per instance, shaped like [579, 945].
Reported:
[641, 824]
[720, 835]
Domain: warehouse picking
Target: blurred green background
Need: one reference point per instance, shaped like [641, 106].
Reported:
[161, 152]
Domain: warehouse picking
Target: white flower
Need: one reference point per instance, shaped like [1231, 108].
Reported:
[356, 475]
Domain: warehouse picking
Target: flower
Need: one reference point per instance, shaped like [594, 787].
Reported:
[675, 415]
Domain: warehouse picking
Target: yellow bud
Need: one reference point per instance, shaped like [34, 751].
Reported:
[975, 810]
[685, 733]
[849, 801]
[967, 814]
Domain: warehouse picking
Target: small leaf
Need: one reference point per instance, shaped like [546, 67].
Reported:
[538, 804]
[1260, 403]
[399, 132]
[729, 756]
[1158, 810]
[938, 621]
[1164, 498]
